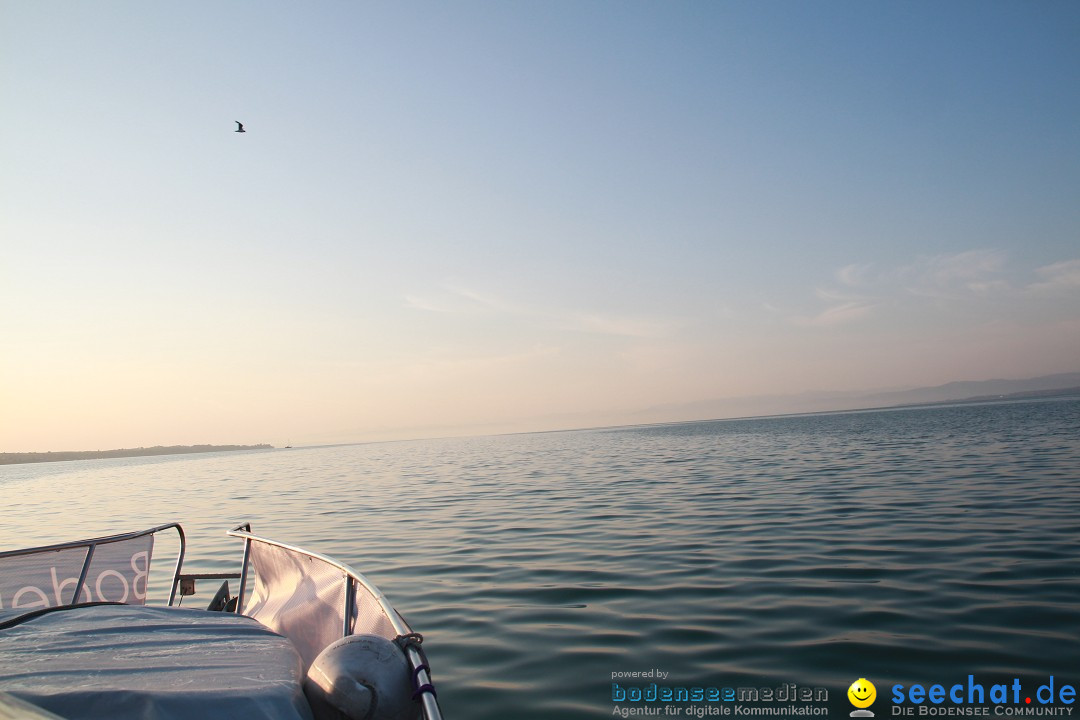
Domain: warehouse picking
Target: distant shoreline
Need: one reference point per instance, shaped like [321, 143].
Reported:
[1064, 393]
[37, 457]
[1007, 397]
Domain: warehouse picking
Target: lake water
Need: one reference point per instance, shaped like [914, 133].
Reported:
[904, 546]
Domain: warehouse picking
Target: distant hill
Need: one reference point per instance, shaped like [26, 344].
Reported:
[977, 390]
[15, 458]
[964, 391]
[1025, 395]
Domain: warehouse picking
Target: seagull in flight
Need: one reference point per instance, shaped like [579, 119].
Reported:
[240, 128]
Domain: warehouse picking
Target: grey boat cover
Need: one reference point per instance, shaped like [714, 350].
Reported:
[151, 663]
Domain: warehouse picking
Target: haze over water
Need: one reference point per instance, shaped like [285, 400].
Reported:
[905, 546]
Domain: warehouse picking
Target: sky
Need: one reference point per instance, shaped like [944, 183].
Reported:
[472, 217]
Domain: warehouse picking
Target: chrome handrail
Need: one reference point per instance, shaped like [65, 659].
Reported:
[92, 544]
[416, 663]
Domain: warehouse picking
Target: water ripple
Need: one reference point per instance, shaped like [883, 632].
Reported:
[905, 545]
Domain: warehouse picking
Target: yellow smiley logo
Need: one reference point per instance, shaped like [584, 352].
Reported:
[862, 693]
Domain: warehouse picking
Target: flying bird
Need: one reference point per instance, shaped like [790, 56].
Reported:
[240, 128]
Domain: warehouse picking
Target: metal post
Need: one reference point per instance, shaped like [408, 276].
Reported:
[82, 576]
[179, 563]
[350, 601]
[243, 577]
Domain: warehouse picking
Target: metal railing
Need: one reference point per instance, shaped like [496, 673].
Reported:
[93, 544]
[352, 580]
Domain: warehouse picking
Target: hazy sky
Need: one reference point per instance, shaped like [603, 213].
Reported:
[468, 217]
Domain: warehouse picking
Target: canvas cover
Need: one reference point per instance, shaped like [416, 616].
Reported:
[303, 598]
[118, 573]
[115, 662]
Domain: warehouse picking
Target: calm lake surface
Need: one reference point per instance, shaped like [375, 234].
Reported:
[905, 546]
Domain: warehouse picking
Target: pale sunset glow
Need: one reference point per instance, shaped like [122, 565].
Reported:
[450, 219]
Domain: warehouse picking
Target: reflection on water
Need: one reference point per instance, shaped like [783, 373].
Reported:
[915, 545]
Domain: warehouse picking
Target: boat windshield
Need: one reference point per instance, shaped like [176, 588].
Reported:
[106, 569]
